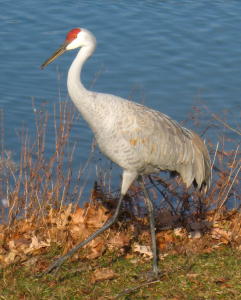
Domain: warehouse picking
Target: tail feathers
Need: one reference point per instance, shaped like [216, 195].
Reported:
[197, 170]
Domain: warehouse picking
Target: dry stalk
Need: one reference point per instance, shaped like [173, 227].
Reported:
[44, 179]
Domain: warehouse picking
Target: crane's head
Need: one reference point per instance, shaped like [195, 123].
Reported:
[75, 38]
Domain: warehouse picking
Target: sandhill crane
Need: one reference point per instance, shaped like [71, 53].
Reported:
[138, 139]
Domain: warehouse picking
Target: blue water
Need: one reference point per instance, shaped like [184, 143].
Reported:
[170, 55]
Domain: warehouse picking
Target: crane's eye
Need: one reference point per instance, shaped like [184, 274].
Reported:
[72, 34]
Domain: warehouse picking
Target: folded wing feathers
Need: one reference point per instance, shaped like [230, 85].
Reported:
[199, 168]
[191, 159]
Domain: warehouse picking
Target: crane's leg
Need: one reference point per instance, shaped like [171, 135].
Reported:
[127, 180]
[150, 208]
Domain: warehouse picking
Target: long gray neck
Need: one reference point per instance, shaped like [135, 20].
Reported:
[78, 93]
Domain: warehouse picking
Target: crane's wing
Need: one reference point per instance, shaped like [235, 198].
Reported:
[156, 142]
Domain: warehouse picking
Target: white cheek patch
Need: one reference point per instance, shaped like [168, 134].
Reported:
[74, 44]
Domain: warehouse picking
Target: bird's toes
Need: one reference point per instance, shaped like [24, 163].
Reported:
[152, 275]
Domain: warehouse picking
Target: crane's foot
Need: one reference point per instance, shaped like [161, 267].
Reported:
[54, 267]
[152, 275]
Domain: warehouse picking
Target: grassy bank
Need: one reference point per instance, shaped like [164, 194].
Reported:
[213, 275]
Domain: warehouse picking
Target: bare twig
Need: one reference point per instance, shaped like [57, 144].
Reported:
[226, 124]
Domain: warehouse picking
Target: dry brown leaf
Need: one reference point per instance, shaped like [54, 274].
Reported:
[218, 233]
[192, 275]
[12, 256]
[168, 236]
[91, 215]
[79, 232]
[26, 226]
[162, 256]
[129, 256]
[222, 280]
[64, 217]
[103, 274]
[179, 232]
[37, 245]
[207, 250]
[19, 244]
[2, 233]
[164, 239]
[2, 227]
[97, 247]
[143, 250]
[120, 240]
[2, 251]
[53, 234]
[78, 216]
[52, 216]
[96, 217]
[144, 235]
[2, 237]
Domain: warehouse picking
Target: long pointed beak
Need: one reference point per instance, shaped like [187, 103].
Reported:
[55, 55]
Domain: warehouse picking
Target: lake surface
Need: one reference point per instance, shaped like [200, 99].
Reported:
[170, 55]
